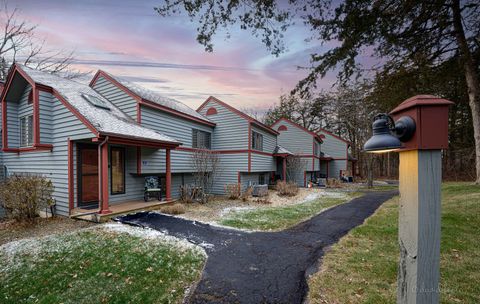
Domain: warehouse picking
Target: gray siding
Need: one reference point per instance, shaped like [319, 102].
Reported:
[15, 110]
[295, 139]
[153, 161]
[118, 97]
[54, 164]
[269, 140]
[262, 163]
[46, 122]
[231, 131]
[134, 185]
[336, 148]
[230, 165]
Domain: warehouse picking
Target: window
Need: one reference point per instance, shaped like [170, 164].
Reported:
[26, 131]
[96, 101]
[257, 141]
[201, 139]
[117, 170]
[261, 179]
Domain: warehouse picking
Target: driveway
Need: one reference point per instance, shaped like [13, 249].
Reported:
[262, 267]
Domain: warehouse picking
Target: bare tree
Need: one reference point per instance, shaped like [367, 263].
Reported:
[206, 165]
[295, 165]
[19, 43]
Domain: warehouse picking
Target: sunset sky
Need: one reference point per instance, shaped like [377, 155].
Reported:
[129, 38]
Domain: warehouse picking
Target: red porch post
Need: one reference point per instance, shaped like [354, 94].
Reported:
[168, 176]
[328, 162]
[284, 169]
[104, 180]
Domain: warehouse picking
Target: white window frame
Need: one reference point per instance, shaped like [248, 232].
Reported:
[26, 141]
[257, 141]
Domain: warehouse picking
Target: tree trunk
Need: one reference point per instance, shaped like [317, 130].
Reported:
[472, 80]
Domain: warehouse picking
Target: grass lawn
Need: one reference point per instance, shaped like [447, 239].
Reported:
[278, 218]
[362, 267]
[103, 264]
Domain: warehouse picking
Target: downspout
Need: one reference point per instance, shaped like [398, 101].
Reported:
[100, 173]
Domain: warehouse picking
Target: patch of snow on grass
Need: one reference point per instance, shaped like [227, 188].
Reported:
[228, 210]
[154, 235]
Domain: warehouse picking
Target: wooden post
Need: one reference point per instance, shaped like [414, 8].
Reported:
[284, 169]
[104, 180]
[420, 179]
[168, 176]
[419, 226]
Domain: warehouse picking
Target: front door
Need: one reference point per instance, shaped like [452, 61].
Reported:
[88, 176]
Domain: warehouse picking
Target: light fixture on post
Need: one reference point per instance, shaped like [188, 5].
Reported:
[389, 135]
[419, 134]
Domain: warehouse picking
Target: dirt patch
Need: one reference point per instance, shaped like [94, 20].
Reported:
[11, 230]
[220, 206]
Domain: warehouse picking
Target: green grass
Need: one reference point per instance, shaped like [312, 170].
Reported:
[277, 218]
[98, 266]
[362, 267]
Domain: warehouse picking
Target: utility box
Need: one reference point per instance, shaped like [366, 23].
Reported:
[260, 190]
[430, 114]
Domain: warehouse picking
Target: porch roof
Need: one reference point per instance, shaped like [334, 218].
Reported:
[279, 150]
[109, 121]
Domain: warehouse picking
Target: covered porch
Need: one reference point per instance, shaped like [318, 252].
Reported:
[106, 177]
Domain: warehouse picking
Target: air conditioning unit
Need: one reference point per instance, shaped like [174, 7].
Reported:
[260, 190]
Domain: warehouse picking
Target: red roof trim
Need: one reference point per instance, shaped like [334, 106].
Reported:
[143, 101]
[315, 135]
[234, 110]
[336, 136]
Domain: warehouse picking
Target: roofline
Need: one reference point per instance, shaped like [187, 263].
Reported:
[315, 135]
[236, 111]
[140, 140]
[336, 136]
[16, 68]
[147, 102]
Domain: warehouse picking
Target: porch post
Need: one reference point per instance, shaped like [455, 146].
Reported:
[104, 180]
[328, 162]
[284, 169]
[168, 176]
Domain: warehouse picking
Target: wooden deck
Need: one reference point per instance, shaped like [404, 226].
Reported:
[117, 209]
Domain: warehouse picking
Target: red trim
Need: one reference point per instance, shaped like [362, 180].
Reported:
[327, 168]
[239, 177]
[168, 176]
[34, 148]
[336, 136]
[249, 147]
[243, 115]
[70, 175]
[4, 124]
[139, 160]
[211, 111]
[136, 142]
[187, 149]
[284, 169]
[304, 178]
[313, 157]
[146, 102]
[104, 180]
[174, 112]
[315, 135]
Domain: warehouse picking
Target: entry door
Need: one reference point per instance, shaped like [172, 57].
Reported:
[88, 175]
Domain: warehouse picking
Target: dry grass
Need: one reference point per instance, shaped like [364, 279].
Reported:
[286, 189]
[233, 191]
[247, 194]
[362, 267]
[173, 209]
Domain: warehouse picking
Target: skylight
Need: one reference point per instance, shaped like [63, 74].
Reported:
[96, 101]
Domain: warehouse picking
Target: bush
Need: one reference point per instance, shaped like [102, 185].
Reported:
[23, 196]
[247, 194]
[287, 189]
[173, 209]
[233, 191]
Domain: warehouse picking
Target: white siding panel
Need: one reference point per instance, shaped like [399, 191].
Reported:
[294, 139]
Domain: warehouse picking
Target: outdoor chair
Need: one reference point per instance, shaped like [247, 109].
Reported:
[152, 188]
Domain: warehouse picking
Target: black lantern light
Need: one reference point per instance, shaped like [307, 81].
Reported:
[389, 135]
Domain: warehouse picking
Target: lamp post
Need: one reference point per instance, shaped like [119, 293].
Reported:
[418, 130]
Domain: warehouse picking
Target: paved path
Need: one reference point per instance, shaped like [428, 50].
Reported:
[263, 267]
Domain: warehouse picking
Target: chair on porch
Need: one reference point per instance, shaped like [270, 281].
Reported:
[152, 188]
